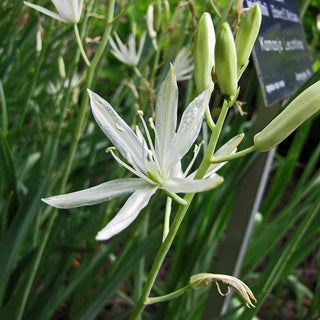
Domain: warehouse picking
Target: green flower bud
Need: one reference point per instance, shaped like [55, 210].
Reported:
[203, 53]
[300, 109]
[226, 61]
[247, 34]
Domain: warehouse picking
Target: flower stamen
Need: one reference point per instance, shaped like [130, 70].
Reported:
[219, 290]
[135, 171]
[149, 140]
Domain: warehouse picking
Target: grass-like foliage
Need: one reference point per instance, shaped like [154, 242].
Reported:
[78, 81]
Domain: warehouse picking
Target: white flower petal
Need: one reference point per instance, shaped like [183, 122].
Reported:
[69, 10]
[116, 129]
[128, 213]
[228, 148]
[181, 185]
[166, 116]
[45, 11]
[189, 128]
[100, 193]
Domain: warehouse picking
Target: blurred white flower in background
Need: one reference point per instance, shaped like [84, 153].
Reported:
[183, 64]
[69, 11]
[127, 53]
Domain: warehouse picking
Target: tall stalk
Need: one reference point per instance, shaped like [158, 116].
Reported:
[182, 210]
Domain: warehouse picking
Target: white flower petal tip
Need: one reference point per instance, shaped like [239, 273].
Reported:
[128, 213]
[69, 11]
[94, 195]
[200, 280]
[182, 185]
[228, 148]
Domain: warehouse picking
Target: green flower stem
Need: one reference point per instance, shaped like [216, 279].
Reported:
[79, 42]
[175, 197]
[168, 297]
[227, 8]
[140, 75]
[242, 70]
[215, 9]
[166, 226]
[207, 160]
[234, 155]
[166, 244]
[4, 110]
[209, 120]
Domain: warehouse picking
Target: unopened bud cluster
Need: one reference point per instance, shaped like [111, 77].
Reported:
[222, 55]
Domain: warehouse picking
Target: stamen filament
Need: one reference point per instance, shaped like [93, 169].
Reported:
[136, 172]
[150, 141]
[175, 197]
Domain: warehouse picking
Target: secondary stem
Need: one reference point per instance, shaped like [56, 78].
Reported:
[79, 42]
[234, 155]
[169, 296]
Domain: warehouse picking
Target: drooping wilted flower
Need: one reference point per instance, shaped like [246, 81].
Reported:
[69, 11]
[200, 280]
[156, 165]
[127, 54]
[183, 65]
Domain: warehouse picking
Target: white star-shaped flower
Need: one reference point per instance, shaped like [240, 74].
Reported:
[155, 165]
[127, 53]
[183, 65]
[69, 11]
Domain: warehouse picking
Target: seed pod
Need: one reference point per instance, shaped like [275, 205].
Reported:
[247, 34]
[226, 61]
[203, 52]
[299, 110]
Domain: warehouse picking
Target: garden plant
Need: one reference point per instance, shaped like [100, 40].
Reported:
[125, 128]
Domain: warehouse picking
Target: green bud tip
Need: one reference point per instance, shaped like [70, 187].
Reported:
[203, 53]
[300, 109]
[247, 34]
[226, 61]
